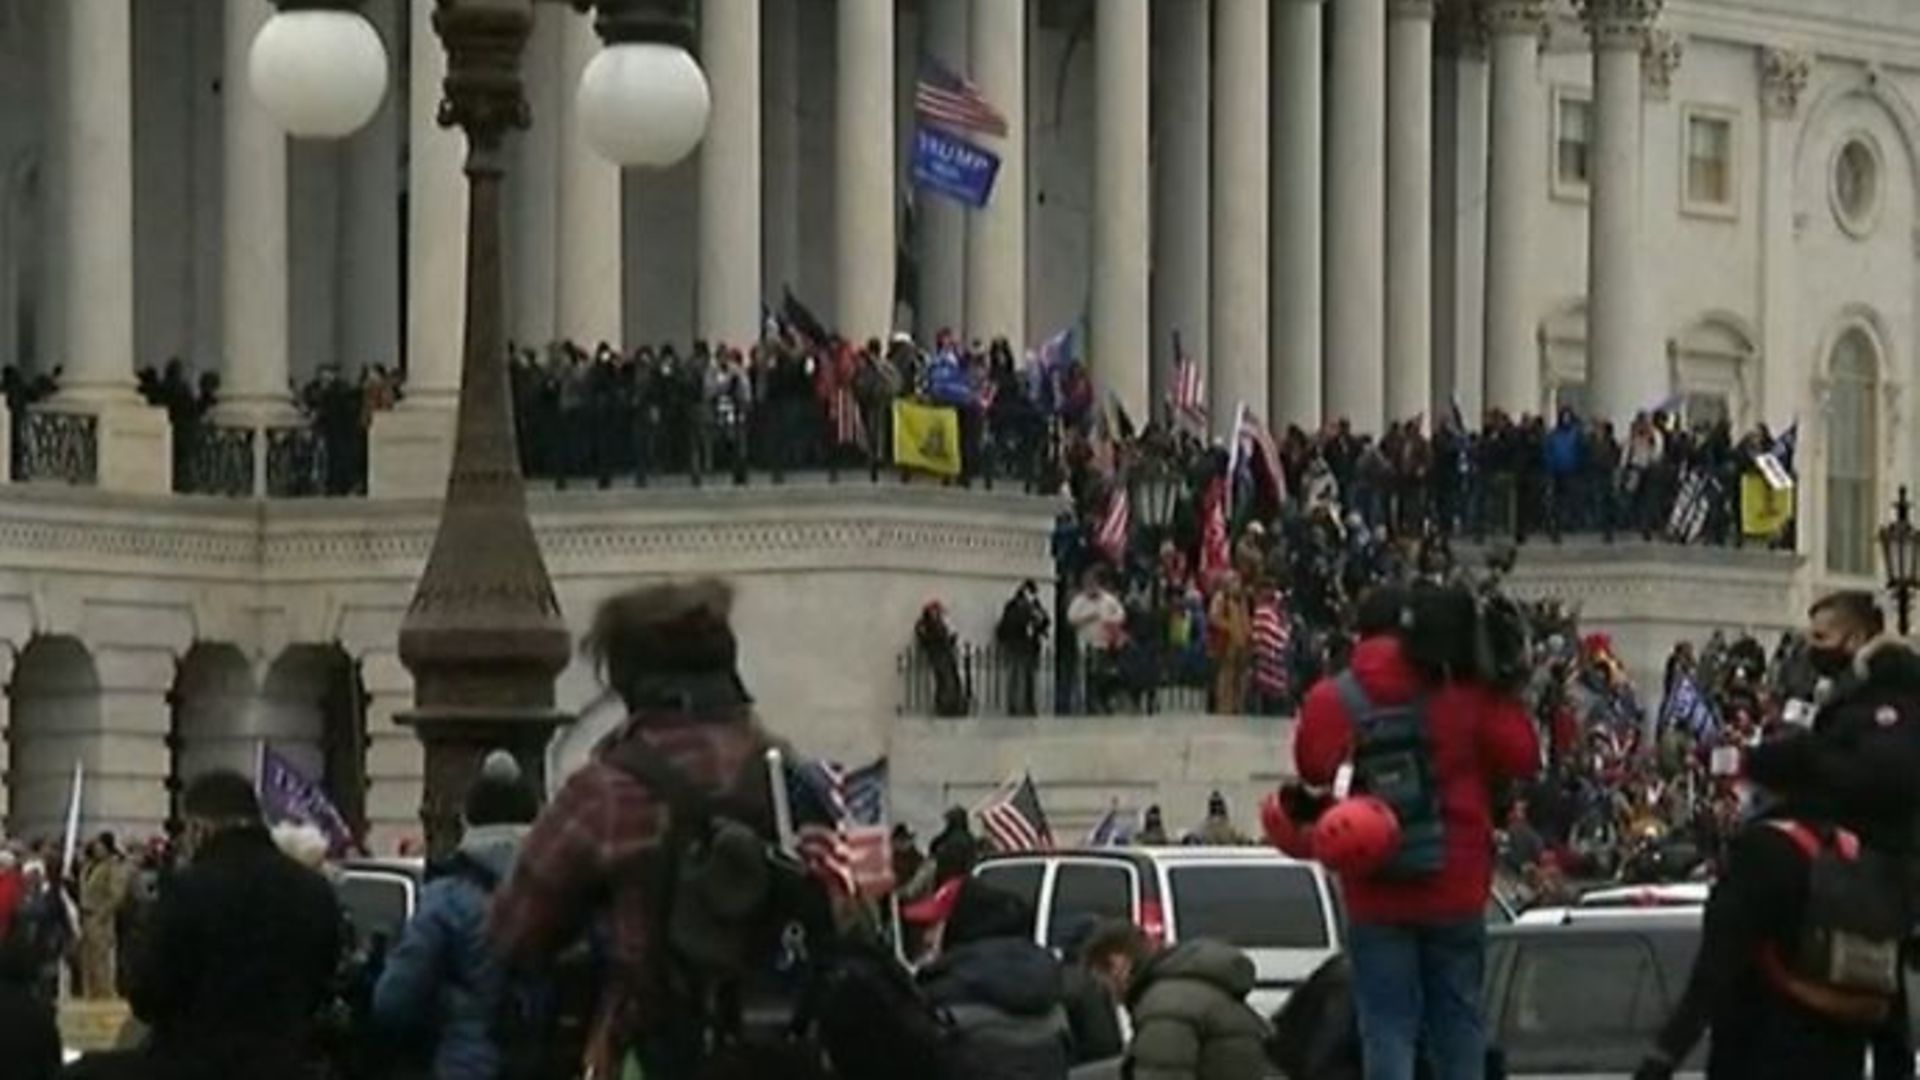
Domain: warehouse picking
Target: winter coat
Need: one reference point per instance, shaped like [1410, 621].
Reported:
[1858, 763]
[29, 1037]
[1092, 1015]
[241, 956]
[1190, 1016]
[1478, 737]
[1564, 450]
[1006, 999]
[443, 976]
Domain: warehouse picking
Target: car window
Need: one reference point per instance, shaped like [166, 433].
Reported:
[1086, 891]
[376, 904]
[1587, 1005]
[1253, 907]
[1022, 879]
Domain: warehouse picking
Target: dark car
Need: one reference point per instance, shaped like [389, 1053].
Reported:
[1583, 995]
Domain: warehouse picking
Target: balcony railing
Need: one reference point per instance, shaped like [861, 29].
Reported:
[57, 446]
[215, 460]
[296, 463]
[990, 680]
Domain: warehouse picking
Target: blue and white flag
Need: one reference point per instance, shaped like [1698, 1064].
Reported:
[287, 794]
[1110, 831]
[949, 165]
[1687, 708]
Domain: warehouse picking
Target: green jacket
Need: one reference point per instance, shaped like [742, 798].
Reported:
[1191, 1020]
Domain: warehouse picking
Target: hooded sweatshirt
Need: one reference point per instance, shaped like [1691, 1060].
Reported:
[1477, 737]
[1006, 996]
[1190, 1016]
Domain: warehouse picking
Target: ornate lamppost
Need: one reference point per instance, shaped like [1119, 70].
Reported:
[484, 638]
[1900, 549]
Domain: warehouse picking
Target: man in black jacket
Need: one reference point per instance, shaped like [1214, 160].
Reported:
[242, 949]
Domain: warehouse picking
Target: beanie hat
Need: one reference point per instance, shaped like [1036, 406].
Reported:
[500, 796]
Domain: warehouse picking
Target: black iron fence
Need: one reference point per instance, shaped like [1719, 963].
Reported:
[991, 680]
[296, 463]
[214, 460]
[57, 446]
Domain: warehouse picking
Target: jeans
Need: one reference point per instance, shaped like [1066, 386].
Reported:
[1417, 990]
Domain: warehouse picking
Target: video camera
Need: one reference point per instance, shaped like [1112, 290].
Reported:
[1469, 628]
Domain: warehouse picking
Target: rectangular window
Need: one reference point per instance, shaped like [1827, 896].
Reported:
[1573, 143]
[1083, 891]
[1709, 161]
[1253, 907]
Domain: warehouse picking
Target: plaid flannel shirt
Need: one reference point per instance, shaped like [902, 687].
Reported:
[585, 855]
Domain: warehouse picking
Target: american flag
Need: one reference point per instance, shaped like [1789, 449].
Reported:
[1189, 396]
[1115, 526]
[1013, 819]
[1263, 455]
[1109, 831]
[948, 99]
[839, 823]
[1270, 643]
[1692, 506]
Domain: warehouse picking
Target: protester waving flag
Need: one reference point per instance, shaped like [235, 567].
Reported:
[1110, 831]
[1115, 526]
[1687, 708]
[288, 794]
[1013, 820]
[1188, 398]
[839, 820]
[947, 99]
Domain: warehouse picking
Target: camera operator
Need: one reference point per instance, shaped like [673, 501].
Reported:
[1435, 661]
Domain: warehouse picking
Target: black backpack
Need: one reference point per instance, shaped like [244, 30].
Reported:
[751, 966]
[543, 1020]
[1843, 959]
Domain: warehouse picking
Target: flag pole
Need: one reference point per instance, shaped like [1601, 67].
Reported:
[72, 840]
[782, 809]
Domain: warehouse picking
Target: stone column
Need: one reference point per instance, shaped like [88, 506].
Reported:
[368, 315]
[1297, 388]
[1625, 373]
[412, 445]
[532, 186]
[1409, 208]
[997, 233]
[1516, 184]
[1460, 212]
[1240, 274]
[1119, 313]
[729, 292]
[1181, 170]
[864, 206]
[588, 265]
[1784, 74]
[941, 224]
[780, 147]
[254, 237]
[93, 134]
[1356, 205]
[396, 761]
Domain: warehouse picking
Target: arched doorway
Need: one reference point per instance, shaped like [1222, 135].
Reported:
[54, 703]
[210, 725]
[320, 686]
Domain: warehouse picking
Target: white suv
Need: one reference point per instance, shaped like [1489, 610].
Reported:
[1281, 912]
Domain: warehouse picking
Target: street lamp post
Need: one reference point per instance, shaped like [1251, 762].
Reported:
[484, 637]
[1900, 549]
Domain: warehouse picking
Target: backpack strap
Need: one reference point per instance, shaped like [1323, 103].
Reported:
[690, 806]
[1843, 842]
[1353, 697]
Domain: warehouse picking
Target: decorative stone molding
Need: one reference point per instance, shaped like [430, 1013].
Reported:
[1459, 30]
[1501, 17]
[1619, 24]
[1784, 74]
[1660, 55]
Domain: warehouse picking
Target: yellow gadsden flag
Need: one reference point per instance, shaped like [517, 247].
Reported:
[1764, 510]
[926, 437]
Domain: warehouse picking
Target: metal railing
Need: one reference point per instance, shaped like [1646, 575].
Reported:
[58, 446]
[296, 463]
[994, 681]
[216, 460]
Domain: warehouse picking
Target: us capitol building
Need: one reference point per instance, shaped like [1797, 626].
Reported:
[1370, 209]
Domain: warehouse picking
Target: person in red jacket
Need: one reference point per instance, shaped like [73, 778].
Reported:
[1418, 945]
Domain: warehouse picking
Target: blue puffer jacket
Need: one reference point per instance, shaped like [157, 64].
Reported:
[442, 977]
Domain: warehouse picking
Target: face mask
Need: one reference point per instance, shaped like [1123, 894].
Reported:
[1829, 662]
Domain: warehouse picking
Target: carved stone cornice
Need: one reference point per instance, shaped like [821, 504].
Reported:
[1660, 55]
[1784, 74]
[1459, 30]
[1502, 17]
[1619, 24]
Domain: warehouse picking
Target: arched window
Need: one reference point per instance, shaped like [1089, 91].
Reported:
[1852, 437]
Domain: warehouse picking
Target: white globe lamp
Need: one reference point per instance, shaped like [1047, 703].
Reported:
[644, 103]
[320, 72]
